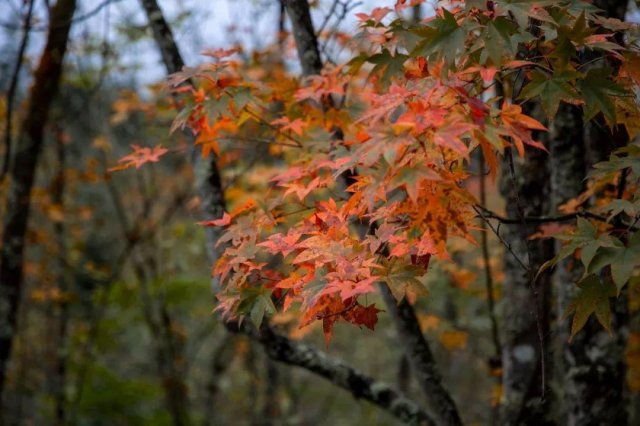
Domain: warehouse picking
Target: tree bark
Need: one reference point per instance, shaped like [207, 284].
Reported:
[30, 138]
[304, 35]
[525, 314]
[592, 364]
[423, 365]
[344, 376]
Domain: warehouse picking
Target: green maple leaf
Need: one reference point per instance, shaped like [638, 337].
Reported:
[402, 278]
[255, 302]
[598, 93]
[584, 237]
[551, 90]
[501, 36]
[621, 259]
[520, 9]
[392, 65]
[442, 38]
[593, 298]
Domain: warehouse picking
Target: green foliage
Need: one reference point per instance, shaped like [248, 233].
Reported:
[593, 298]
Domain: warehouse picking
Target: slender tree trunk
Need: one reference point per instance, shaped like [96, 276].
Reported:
[13, 86]
[221, 357]
[60, 369]
[525, 315]
[44, 89]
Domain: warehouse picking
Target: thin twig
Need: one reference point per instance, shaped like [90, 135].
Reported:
[488, 214]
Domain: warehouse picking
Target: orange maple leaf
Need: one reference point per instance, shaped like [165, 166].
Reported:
[140, 156]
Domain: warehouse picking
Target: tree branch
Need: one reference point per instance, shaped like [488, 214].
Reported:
[282, 349]
[530, 220]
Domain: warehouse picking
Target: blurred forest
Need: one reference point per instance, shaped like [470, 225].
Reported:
[115, 322]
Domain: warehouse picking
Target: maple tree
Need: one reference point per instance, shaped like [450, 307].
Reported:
[407, 127]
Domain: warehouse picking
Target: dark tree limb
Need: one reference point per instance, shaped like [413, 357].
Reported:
[537, 220]
[22, 173]
[282, 349]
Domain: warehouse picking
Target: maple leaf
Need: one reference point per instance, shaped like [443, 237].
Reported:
[593, 298]
[300, 189]
[283, 244]
[411, 178]
[223, 221]
[519, 127]
[140, 156]
[599, 92]
[349, 289]
[377, 14]
[450, 136]
[552, 89]
[297, 126]
[443, 37]
[416, 69]
[292, 173]
[221, 53]
[403, 280]
[363, 315]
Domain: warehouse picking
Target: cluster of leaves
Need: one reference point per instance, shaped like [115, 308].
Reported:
[608, 245]
[376, 153]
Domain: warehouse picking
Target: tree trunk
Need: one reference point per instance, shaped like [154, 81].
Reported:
[613, 8]
[525, 315]
[61, 355]
[30, 140]
[592, 369]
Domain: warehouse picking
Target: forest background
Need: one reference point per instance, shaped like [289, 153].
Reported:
[114, 323]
